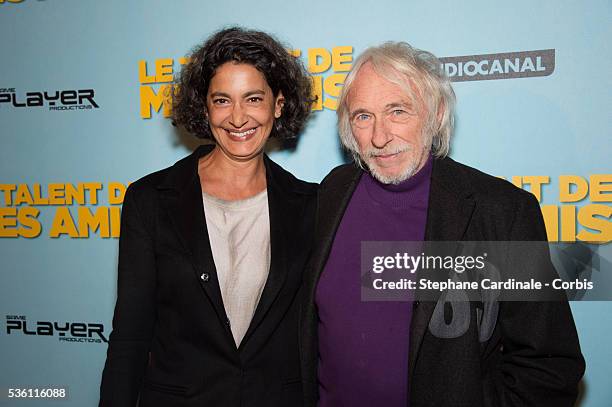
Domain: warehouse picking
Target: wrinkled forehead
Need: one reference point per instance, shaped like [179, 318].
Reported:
[396, 85]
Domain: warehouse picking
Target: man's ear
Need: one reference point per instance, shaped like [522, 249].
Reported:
[278, 104]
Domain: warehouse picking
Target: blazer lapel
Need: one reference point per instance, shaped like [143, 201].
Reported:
[449, 212]
[182, 200]
[332, 203]
[287, 242]
[281, 210]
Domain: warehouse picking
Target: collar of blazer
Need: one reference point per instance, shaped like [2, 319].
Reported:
[181, 198]
[450, 208]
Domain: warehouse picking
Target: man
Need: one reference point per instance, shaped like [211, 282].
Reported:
[396, 116]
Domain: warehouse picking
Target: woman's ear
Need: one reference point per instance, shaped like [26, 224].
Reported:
[278, 105]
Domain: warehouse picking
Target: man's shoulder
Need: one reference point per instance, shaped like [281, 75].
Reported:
[453, 174]
[341, 175]
[504, 210]
[482, 185]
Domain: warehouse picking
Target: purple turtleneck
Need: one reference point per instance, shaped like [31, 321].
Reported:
[363, 346]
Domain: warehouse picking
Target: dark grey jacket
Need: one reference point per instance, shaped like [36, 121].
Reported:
[532, 357]
[171, 343]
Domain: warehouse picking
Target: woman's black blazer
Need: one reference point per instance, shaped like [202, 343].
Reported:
[171, 343]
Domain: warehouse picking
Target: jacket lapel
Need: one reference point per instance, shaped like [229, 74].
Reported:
[182, 200]
[332, 203]
[282, 209]
[449, 212]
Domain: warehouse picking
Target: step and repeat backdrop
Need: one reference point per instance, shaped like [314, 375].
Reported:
[83, 113]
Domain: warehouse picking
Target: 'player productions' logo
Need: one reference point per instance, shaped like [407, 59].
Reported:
[507, 65]
[58, 100]
[82, 332]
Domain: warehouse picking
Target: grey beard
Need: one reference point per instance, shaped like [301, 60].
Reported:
[394, 179]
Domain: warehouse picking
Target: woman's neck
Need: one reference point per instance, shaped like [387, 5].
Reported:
[231, 180]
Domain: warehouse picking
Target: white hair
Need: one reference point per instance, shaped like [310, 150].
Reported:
[414, 70]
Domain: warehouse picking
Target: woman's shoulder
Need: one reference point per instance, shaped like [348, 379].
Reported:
[172, 177]
[287, 180]
[144, 192]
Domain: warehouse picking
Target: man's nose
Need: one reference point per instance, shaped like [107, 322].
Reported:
[381, 135]
[238, 117]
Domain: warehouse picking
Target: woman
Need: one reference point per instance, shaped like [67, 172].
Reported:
[212, 249]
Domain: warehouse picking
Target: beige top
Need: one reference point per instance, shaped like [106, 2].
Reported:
[239, 233]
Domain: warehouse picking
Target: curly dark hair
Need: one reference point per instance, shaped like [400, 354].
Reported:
[283, 72]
